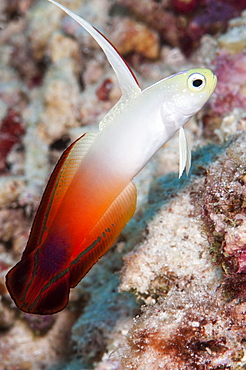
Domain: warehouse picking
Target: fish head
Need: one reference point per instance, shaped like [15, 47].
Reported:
[181, 95]
[191, 89]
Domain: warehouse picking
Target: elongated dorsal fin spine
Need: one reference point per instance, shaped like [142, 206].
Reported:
[127, 80]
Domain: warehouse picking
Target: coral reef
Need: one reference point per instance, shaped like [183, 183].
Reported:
[190, 21]
[186, 272]
[188, 332]
[222, 197]
[231, 90]
[131, 36]
[180, 262]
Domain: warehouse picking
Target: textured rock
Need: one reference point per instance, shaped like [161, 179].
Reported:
[130, 36]
[234, 40]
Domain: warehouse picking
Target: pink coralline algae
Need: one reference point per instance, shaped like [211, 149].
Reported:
[10, 132]
[182, 23]
[39, 324]
[209, 10]
[209, 17]
[185, 6]
[231, 88]
[103, 91]
[235, 241]
[224, 215]
[214, 15]
[189, 334]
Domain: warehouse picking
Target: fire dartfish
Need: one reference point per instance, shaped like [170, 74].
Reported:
[90, 195]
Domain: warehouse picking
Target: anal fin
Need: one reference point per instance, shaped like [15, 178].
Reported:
[104, 233]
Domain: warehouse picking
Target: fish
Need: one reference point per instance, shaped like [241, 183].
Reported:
[90, 195]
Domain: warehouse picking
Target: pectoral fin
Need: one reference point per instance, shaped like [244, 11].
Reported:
[184, 153]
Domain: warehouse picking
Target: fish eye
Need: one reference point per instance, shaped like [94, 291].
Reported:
[196, 82]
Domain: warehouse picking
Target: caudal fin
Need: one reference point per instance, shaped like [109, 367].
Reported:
[33, 290]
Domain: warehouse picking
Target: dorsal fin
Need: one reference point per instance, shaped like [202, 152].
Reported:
[57, 187]
[127, 81]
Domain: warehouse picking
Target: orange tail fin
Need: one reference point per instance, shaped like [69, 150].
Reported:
[40, 282]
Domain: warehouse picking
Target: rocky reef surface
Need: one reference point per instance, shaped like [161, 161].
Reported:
[170, 294]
